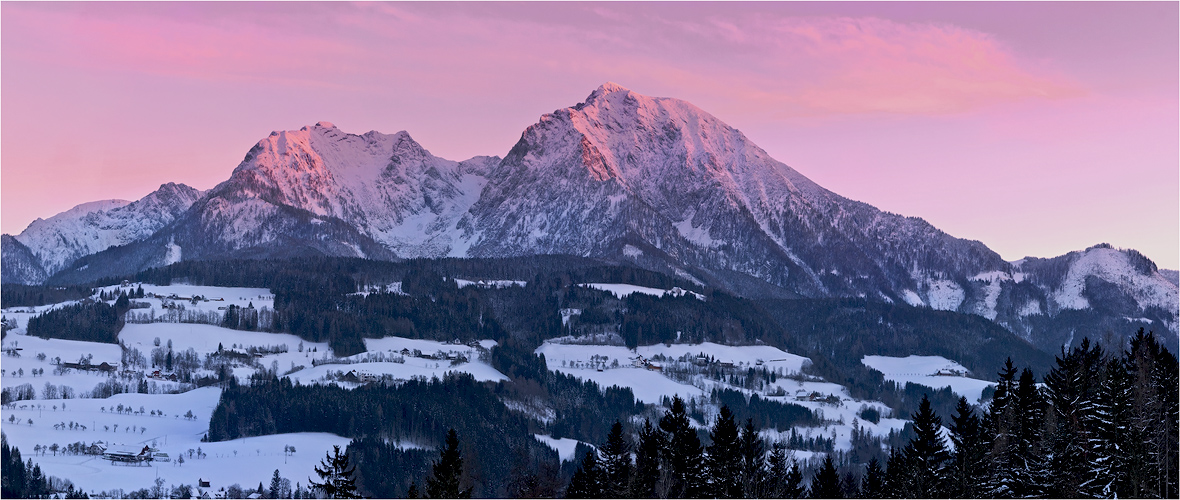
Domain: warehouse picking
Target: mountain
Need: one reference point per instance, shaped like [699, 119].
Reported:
[623, 177]
[19, 265]
[388, 187]
[92, 227]
[623, 174]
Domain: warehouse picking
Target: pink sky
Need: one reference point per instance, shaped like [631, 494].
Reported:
[1037, 128]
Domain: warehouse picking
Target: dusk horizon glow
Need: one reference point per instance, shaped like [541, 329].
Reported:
[1036, 128]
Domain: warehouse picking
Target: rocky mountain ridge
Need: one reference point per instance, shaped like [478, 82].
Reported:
[625, 178]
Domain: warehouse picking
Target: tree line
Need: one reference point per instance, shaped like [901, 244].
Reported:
[1101, 425]
[416, 411]
[20, 479]
[88, 320]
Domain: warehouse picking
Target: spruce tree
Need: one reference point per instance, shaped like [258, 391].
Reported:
[793, 487]
[1109, 465]
[13, 473]
[826, 483]
[276, 486]
[446, 481]
[754, 470]
[724, 461]
[616, 463]
[896, 484]
[647, 461]
[1071, 388]
[684, 453]
[926, 454]
[1167, 435]
[1152, 436]
[872, 485]
[1003, 426]
[588, 481]
[968, 470]
[1154, 371]
[336, 474]
[1030, 467]
[778, 465]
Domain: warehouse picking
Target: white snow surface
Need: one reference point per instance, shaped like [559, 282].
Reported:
[651, 386]
[255, 460]
[1032, 307]
[565, 447]
[256, 457]
[922, 369]
[70, 351]
[912, 298]
[489, 283]
[622, 290]
[945, 295]
[583, 361]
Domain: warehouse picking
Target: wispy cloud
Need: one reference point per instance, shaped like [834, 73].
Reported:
[792, 65]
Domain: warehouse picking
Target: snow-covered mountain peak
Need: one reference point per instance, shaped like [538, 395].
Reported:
[96, 226]
[1125, 270]
[323, 124]
[604, 89]
[79, 210]
[388, 187]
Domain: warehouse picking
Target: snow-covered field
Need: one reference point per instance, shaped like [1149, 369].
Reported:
[163, 422]
[565, 447]
[651, 386]
[488, 283]
[68, 350]
[218, 296]
[245, 461]
[622, 290]
[749, 355]
[925, 370]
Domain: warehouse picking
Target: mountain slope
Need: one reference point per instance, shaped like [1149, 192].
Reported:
[19, 265]
[92, 227]
[623, 168]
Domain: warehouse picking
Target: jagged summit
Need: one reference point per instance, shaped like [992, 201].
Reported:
[388, 187]
[604, 89]
[611, 87]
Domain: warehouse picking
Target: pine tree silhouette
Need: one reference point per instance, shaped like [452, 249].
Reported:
[724, 461]
[826, 483]
[616, 463]
[448, 472]
[336, 474]
[587, 481]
